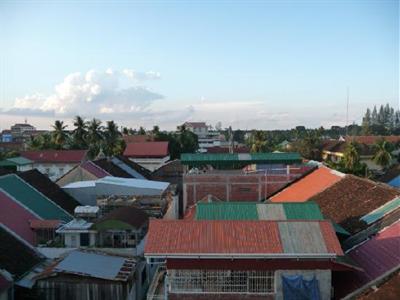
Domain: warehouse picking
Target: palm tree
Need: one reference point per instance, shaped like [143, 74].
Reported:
[382, 156]
[111, 137]
[351, 157]
[258, 141]
[94, 131]
[79, 133]
[59, 134]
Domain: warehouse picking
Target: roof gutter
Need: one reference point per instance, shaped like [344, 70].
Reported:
[240, 255]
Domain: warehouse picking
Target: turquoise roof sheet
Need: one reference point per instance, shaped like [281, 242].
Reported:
[33, 199]
[381, 211]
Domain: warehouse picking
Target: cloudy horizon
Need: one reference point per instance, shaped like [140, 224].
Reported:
[145, 64]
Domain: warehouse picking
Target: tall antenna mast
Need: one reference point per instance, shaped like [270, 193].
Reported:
[347, 113]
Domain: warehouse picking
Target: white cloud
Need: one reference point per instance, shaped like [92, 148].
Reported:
[93, 94]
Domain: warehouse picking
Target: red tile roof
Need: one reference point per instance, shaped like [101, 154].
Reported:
[137, 138]
[346, 201]
[372, 139]
[308, 186]
[146, 149]
[55, 156]
[231, 238]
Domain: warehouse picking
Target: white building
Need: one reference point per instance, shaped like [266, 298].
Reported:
[55, 163]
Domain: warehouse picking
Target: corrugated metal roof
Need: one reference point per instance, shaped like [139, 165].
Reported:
[56, 156]
[146, 149]
[226, 211]
[31, 198]
[257, 211]
[302, 211]
[93, 265]
[16, 161]
[381, 211]
[301, 237]
[196, 159]
[240, 238]
[377, 256]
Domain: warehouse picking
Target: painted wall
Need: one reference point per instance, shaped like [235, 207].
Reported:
[72, 240]
[53, 170]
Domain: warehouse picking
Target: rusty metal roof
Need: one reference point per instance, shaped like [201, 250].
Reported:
[180, 238]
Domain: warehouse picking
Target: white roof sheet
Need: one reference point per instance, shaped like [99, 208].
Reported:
[135, 183]
[87, 209]
[91, 264]
[81, 184]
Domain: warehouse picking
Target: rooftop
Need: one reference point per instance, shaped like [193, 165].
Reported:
[109, 167]
[32, 198]
[130, 217]
[226, 239]
[96, 265]
[86, 209]
[94, 169]
[75, 224]
[226, 159]
[146, 149]
[378, 256]
[50, 189]
[257, 211]
[16, 161]
[309, 185]
[16, 256]
[55, 156]
[351, 198]
[372, 139]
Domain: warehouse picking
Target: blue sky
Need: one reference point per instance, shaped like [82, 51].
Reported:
[257, 64]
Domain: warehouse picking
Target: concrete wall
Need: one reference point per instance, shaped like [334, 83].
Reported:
[69, 236]
[246, 187]
[324, 278]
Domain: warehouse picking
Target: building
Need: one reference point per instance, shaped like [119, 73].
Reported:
[85, 275]
[55, 163]
[49, 189]
[124, 227]
[333, 150]
[87, 213]
[171, 172]
[150, 155]
[111, 192]
[28, 196]
[77, 233]
[206, 177]
[379, 258]
[17, 258]
[308, 185]
[19, 164]
[242, 259]
[206, 138]
[20, 128]
[361, 206]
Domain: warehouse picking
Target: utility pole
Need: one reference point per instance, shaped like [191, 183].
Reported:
[347, 112]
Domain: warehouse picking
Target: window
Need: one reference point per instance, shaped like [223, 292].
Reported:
[221, 281]
[84, 239]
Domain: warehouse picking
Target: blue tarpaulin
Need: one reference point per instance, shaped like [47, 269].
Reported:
[295, 287]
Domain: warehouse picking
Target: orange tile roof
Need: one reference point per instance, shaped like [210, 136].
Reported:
[308, 186]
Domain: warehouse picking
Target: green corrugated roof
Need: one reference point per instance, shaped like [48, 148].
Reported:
[198, 159]
[226, 211]
[31, 198]
[15, 161]
[302, 211]
[21, 161]
[381, 211]
[248, 211]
